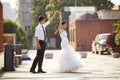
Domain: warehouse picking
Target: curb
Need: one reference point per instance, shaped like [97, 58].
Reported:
[1, 71]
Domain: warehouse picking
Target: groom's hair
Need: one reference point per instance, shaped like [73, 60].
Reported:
[41, 17]
[63, 22]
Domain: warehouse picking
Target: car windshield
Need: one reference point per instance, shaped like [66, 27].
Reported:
[97, 38]
[104, 37]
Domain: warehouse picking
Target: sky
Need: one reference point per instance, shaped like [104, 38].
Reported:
[13, 2]
[116, 2]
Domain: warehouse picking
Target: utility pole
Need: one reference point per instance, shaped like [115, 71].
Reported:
[75, 3]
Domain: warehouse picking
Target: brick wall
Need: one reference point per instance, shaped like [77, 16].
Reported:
[85, 32]
[1, 28]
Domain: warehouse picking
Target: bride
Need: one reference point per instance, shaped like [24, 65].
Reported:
[66, 60]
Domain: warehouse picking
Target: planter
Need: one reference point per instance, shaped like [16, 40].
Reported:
[113, 50]
[49, 55]
[83, 54]
[116, 55]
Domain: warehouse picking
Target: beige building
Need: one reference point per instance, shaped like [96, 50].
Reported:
[110, 14]
[25, 19]
[116, 8]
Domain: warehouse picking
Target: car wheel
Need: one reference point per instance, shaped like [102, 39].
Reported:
[96, 52]
[101, 52]
[109, 53]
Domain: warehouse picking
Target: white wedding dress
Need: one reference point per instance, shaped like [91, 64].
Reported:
[66, 60]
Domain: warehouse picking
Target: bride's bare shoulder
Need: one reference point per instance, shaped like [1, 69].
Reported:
[61, 30]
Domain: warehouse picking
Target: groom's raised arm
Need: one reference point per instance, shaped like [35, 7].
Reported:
[51, 18]
[54, 15]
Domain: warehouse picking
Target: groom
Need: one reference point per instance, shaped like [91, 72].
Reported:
[40, 35]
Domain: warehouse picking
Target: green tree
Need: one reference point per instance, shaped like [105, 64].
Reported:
[52, 6]
[117, 30]
[38, 9]
[47, 8]
[60, 4]
[12, 27]
[99, 4]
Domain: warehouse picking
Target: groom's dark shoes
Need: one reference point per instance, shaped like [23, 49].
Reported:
[33, 71]
[41, 72]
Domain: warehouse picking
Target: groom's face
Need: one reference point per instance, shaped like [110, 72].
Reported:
[42, 21]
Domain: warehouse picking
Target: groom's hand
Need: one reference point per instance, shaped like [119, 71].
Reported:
[39, 47]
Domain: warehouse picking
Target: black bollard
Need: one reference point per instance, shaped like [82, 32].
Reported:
[9, 58]
[18, 49]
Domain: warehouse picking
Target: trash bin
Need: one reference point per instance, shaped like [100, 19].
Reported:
[18, 49]
[18, 56]
[9, 58]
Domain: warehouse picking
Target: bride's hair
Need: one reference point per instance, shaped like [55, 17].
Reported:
[57, 31]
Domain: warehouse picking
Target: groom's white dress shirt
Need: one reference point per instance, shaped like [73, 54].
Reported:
[39, 30]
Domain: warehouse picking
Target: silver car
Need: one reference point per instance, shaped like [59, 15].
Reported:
[99, 44]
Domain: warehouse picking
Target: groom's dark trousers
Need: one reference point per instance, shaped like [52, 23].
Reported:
[39, 57]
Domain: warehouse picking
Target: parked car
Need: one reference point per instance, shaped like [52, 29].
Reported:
[99, 44]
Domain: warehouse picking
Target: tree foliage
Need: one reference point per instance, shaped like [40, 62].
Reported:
[99, 4]
[117, 25]
[12, 27]
[117, 30]
[47, 8]
[110, 42]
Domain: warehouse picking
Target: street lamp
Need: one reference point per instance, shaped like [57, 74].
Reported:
[75, 3]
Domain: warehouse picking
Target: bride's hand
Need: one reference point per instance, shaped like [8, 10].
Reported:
[57, 12]
[60, 16]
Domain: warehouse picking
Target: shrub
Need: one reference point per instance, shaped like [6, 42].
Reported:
[117, 25]
[117, 30]
[117, 39]
[24, 38]
[111, 40]
[12, 27]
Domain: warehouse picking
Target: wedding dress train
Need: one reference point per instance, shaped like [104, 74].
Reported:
[66, 60]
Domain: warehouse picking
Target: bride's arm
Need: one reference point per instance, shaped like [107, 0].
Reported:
[59, 27]
[60, 23]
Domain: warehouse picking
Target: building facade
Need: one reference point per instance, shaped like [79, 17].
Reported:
[82, 33]
[85, 23]
[76, 13]
[24, 13]
[113, 14]
[1, 27]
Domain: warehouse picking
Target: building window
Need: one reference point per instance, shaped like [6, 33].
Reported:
[72, 35]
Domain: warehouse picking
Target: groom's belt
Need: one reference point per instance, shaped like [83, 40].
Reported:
[41, 40]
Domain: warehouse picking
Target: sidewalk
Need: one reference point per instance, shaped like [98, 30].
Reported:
[96, 67]
[1, 61]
